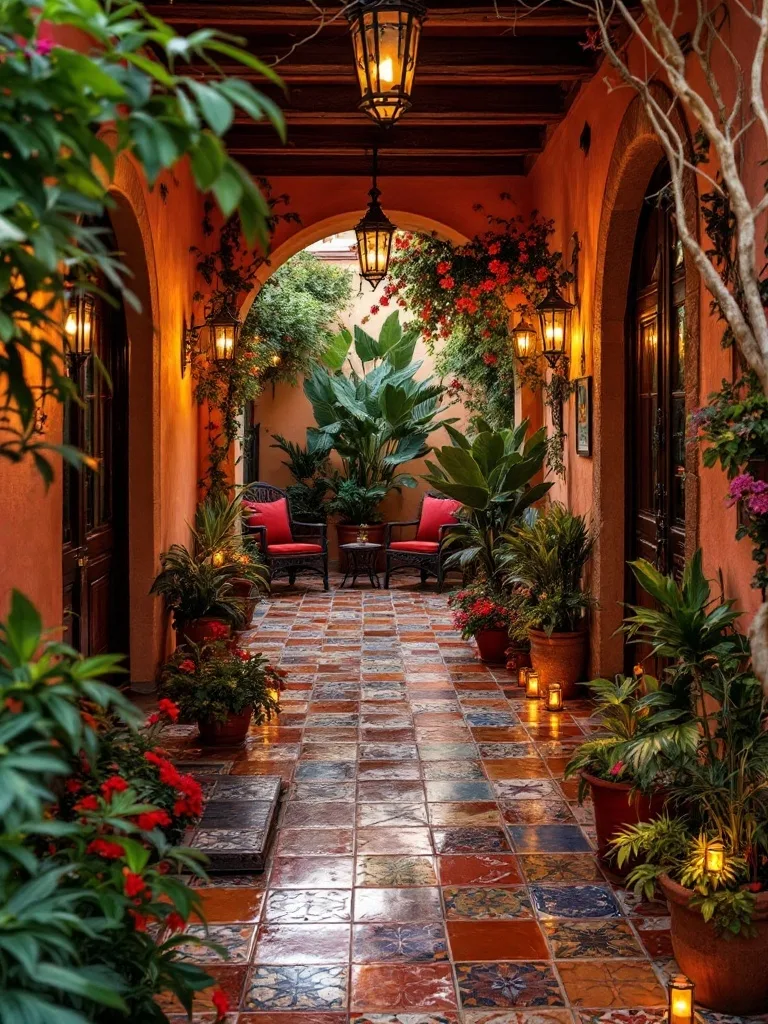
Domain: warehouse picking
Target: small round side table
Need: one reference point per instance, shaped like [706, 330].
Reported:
[361, 561]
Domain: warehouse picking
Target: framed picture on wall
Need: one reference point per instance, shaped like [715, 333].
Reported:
[584, 416]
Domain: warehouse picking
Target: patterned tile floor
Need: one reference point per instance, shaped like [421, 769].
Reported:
[430, 864]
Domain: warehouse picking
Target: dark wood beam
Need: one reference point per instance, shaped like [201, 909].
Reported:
[432, 105]
[277, 164]
[449, 15]
[319, 140]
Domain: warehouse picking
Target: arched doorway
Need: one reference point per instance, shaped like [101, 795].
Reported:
[95, 506]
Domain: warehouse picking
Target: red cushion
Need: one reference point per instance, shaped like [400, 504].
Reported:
[273, 515]
[436, 512]
[294, 549]
[424, 547]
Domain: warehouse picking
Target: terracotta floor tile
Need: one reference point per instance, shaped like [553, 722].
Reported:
[307, 842]
[516, 768]
[479, 869]
[611, 984]
[496, 940]
[239, 904]
[406, 987]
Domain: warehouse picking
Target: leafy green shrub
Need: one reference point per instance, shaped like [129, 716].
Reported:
[83, 875]
[210, 682]
[308, 465]
[355, 504]
[192, 589]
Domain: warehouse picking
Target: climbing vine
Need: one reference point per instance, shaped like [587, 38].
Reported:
[462, 297]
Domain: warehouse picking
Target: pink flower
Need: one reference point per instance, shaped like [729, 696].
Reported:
[617, 769]
[43, 46]
[187, 665]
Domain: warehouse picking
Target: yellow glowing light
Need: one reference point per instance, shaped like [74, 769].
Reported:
[555, 334]
[532, 686]
[714, 857]
[681, 1002]
[386, 71]
[555, 697]
[70, 327]
[522, 676]
[218, 558]
[276, 359]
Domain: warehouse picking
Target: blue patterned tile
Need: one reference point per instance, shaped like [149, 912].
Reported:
[457, 790]
[491, 718]
[576, 901]
[325, 770]
[399, 943]
[297, 988]
[548, 839]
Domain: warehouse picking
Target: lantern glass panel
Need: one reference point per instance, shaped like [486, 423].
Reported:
[532, 686]
[374, 242]
[681, 1002]
[555, 697]
[224, 341]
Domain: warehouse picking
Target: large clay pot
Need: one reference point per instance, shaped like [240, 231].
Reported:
[492, 645]
[248, 593]
[560, 658]
[346, 533]
[729, 974]
[225, 734]
[518, 657]
[202, 631]
[614, 811]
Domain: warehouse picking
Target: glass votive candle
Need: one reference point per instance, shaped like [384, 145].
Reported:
[532, 685]
[555, 697]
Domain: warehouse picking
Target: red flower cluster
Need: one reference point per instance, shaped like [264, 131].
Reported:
[133, 884]
[105, 848]
[490, 358]
[153, 819]
[113, 785]
[447, 283]
[187, 665]
[218, 631]
[166, 708]
[443, 268]
[190, 802]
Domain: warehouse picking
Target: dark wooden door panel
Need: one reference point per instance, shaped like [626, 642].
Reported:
[655, 343]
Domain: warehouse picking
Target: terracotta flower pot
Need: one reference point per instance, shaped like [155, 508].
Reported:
[492, 645]
[247, 592]
[203, 631]
[614, 811]
[518, 657]
[346, 533]
[729, 974]
[225, 734]
[560, 658]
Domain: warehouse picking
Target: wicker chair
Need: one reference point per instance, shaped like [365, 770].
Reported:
[426, 551]
[288, 547]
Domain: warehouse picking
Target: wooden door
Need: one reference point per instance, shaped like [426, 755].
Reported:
[656, 393]
[95, 552]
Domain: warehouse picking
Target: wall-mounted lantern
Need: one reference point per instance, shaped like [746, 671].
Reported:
[385, 39]
[224, 326]
[524, 341]
[555, 321]
[78, 328]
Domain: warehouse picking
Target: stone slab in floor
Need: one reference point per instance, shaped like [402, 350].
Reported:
[237, 823]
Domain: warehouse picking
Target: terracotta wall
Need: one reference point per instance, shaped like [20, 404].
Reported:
[589, 194]
[287, 411]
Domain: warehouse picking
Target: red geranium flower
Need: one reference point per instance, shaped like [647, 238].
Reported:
[114, 784]
[218, 630]
[134, 885]
[88, 803]
[494, 249]
[175, 922]
[220, 1001]
[152, 819]
[73, 786]
[105, 848]
[490, 358]
[541, 275]
[140, 921]
[169, 709]
[447, 283]
[187, 665]
[443, 267]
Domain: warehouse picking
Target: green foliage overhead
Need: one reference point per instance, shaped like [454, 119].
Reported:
[293, 314]
[54, 101]
[379, 420]
[491, 473]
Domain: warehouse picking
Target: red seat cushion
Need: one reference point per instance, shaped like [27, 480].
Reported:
[273, 515]
[424, 547]
[294, 549]
[436, 512]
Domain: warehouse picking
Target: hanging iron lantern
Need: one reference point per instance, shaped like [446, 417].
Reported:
[78, 328]
[225, 329]
[524, 341]
[385, 38]
[374, 236]
[555, 320]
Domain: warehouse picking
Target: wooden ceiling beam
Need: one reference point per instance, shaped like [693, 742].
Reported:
[277, 164]
[507, 16]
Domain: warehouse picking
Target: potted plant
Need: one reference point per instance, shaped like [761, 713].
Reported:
[481, 612]
[222, 689]
[709, 852]
[544, 560]
[200, 595]
[356, 506]
[308, 465]
[491, 472]
[642, 735]
[379, 418]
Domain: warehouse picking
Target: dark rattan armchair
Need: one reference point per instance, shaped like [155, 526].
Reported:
[425, 552]
[288, 547]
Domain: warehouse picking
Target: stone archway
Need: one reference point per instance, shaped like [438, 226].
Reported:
[130, 221]
[636, 154]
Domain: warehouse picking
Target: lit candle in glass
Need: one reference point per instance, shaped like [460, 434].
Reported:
[681, 1000]
[555, 697]
[522, 676]
[217, 558]
[532, 686]
[714, 857]
[362, 534]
